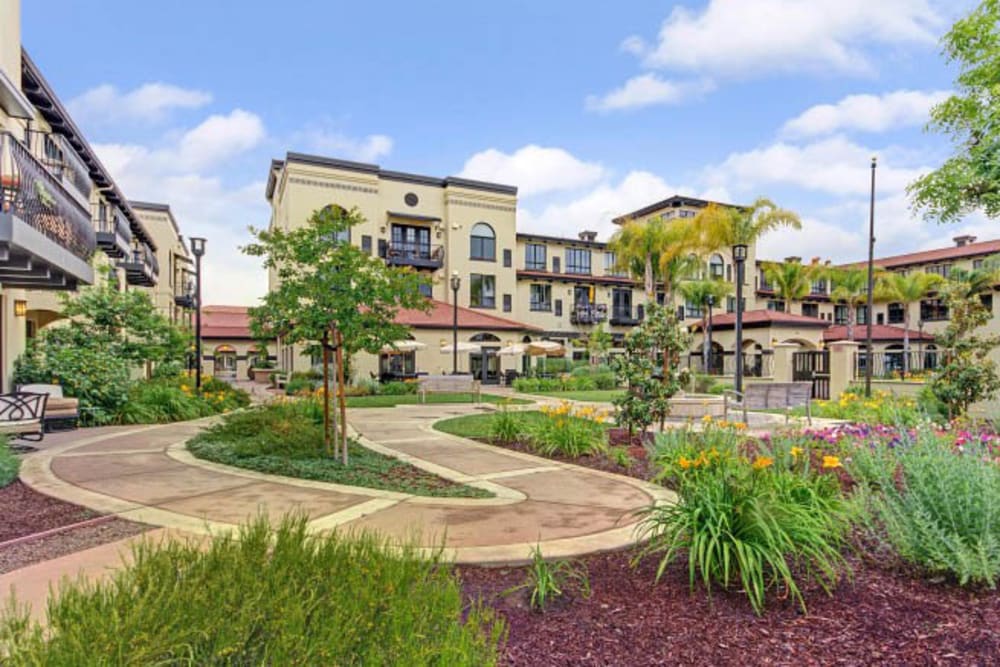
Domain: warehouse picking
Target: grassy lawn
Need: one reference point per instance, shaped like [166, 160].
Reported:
[413, 399]
[590, 395]
[476, 426]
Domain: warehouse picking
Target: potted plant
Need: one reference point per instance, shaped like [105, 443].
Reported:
[262, 370]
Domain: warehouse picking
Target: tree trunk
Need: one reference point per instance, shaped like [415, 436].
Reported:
[850, 323]
[650, 287]
[906, 340]
[340, 394]
[326, 395]
[704, 343]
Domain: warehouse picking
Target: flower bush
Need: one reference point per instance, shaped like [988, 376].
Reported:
[882, 408]
[566, 382]
[176, 399]
[748, 512]
[569, 431]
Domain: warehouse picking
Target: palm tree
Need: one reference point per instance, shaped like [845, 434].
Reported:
[792, 281]
[906, 289]
[699, 291]
[850, 287]
[969, 283]
[649, 248]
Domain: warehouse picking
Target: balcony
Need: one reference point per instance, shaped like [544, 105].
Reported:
[114, 236]
[417, 255]
[141, 267]
[625, 317]
[184, 290]
[59, 158]
[588, 313]
[46, 235]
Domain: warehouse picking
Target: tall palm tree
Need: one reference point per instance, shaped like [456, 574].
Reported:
[973, 282]
[792, 281]
[653, 248]
[850, 288]
[699, 291]
[906, 289]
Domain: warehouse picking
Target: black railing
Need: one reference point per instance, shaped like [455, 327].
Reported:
[59, 158]
[588, 313]
[33, 194]
[755, 364]
[623, 316]
[416, 254]
[891, 364]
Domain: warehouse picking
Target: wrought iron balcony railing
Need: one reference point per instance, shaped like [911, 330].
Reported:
[114, 236]
[589, 313]
[32, 193]
[141, 267]
[624, 316]
[420, 255]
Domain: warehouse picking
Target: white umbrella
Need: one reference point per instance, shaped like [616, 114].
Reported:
[403, 346]
[462, 347]
[545, 347]
[511, 350]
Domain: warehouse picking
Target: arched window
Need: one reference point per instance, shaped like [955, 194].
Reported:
[483, 242]
[484, 338]
[716, 267]
[341, 235]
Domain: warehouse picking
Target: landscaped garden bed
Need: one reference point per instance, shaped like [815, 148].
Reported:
[286, 438]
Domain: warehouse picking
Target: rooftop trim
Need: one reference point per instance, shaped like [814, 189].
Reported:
[672, 201]
[566, 240]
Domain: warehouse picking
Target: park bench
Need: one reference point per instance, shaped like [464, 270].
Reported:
[61, 413]
[280, 380]
[21, 415]
[450, 384]
[771, 396]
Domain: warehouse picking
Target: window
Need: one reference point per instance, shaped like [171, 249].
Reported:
[483, 242]
[686, 214]
[558, 307]
[818, 286]
[610, 265]
[621, 303]
[731, 304]
[640, 312]
[398, 364]
[977, 264]
[810, 309]
[880, 318]
[840, 314]
[410, 241]
[534, 257]
[508, 304]
[482, 291]
[861, 315]
[940, 269]
[366, 244]
[777, 305]
[668, 215]
[581, 295]
[987, 301]
[896, 313]
[341, 235]
[508, 258]
[692, 309]
[716, 267]
[555, 265]
[933, 310]
[577, 260]
[541, 297]
[427, 290]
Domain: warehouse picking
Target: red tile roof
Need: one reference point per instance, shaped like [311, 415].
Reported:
[763, 318]
[880, 332]
[936, 255]
[234, 321]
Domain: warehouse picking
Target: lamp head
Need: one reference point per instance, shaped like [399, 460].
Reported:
[740, 252]
[197, 245]
[456, 281]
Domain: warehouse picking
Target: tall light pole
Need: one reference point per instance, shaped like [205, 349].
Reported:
[920, 343]
[456, 283]
[740, 257]
[871, 287]
[709, 301]
[197, 249]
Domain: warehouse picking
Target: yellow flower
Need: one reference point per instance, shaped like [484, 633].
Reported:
[762, 462]
[740, 426]
[831, 462]
[797, 451]
[683, 463]
[707, 419]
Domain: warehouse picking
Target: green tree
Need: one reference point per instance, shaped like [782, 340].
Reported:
[648, 392]
[655, 250]
[907, 289]
[849, 288]
[698, 292]
[726, 226]
[792, 281]
[974, 282]
[969, 374]
[331, 293]
[970, 179]
[598, 343]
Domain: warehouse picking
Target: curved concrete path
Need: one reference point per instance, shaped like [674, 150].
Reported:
[145, 474]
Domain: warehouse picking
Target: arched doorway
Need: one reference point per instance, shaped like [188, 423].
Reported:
[485, 364]
[224, 362]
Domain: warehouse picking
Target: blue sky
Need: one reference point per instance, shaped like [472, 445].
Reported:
[591, 108]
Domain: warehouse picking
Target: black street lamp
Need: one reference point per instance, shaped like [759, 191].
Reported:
[869, 362]
[740, 257]
[920, 343]
[456, 283]
[197, 249]
[709, 301]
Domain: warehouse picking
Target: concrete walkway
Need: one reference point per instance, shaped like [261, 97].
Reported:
[145, 474]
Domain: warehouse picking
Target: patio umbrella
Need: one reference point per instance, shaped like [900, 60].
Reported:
[547, 348]
[462, 347]
[403, 346]
[511, 350]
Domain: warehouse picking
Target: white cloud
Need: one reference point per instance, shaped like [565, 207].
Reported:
[868, 113]
[534, 169]
[834, 166]
[218, 138]
[751, 37]
[327, 142]
[149, 102]
[647, 90]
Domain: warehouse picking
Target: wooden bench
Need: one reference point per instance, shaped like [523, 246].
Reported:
[21, 415]
[61, 412]
[280, 380]
[449, 384]
[771, 396]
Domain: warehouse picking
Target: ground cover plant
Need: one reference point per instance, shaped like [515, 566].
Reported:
[10, 463]
[882, 407]
[547, 581]
[751, 514]
[170, 399]
[285, 437]
[271, 596]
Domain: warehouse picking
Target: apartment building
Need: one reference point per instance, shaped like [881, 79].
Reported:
[173, 293]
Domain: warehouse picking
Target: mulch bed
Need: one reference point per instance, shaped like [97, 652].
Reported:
[29, 552]
[26, 512]
[640, 466]
[881, 616]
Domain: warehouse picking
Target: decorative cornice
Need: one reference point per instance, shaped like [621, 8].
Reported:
[333, 185]
[476, 204]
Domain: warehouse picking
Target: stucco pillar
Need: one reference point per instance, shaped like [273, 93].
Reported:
[842, 356]
[783, 361]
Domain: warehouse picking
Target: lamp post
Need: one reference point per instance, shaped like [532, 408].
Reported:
[456, 283]
[740, 257]
[920, 342]
[197, 249]
[871, 287]
[709, 301]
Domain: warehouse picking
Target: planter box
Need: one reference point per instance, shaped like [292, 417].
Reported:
[263, 375]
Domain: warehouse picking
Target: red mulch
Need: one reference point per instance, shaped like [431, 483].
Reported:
[26, 512]
[880, 617]
[640, 466]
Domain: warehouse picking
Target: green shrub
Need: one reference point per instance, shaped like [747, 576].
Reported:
[882, 408]
[581, 384]
[936, 505]
[746, 520]
[175, 399]
[591, 370]
[605, 380]
[271, 596]
[719, 388]
[506, 426]
[299, 385]
[397, 388]
[10, 463]
[525, 385]
[546, 580]
[567, 432]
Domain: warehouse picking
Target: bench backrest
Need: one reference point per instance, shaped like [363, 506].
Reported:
[772, 395]
[53, 390]
[447, 382]
[22, 406]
